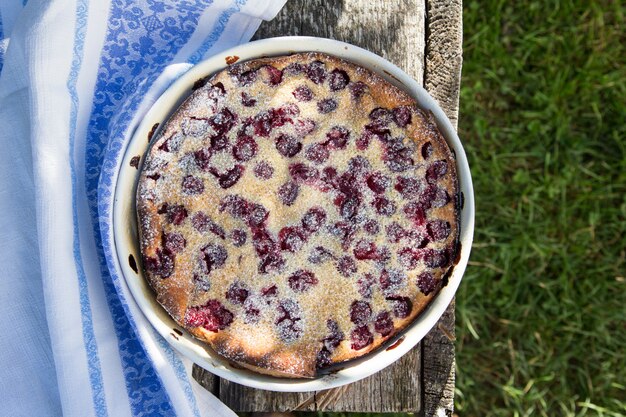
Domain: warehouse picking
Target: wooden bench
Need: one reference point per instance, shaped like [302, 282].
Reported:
[423, 37]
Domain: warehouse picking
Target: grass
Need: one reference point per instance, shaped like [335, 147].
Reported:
[541, 314]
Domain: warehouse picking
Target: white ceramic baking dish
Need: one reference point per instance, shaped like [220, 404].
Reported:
[125, 227]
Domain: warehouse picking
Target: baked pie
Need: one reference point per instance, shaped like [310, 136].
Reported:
[297, 212]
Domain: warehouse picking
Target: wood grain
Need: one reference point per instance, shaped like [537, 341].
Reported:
[423, 38]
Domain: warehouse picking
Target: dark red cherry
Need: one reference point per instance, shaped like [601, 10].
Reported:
[427, 150]
[407, 186]
[192, 185]
[327, 105]
[383, 324]
[245, 149]
[378, 182]
[288, 321]
[361, 337]
[316, 72]
[317, 153]
[247, 100]
[401, 115]
[291, 238]
[231, 177]
[337, 137]
[435, 258]
[346, 266]
[303, 173]
[360, 312]
[238, 237]
[263, 170]
[438, 229]
[213, 316]
[202, 158]
[313, 219]
[176, 214]
[357, 89]
[338, 80]
[288, 192]
[287, 145]
[384, 206]
[213, 256]
[302, 280]
[304, 126]
[174, 242]
[395, 232]
[436, 170]
[365, 250]
[426, 282]
[303, 93]
[237, 293]
[402, 306]
[371, 227]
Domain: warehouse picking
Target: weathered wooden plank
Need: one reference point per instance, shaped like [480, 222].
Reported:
[442, 79]
[406, 33]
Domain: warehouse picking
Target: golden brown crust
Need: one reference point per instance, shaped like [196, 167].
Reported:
[263, 345]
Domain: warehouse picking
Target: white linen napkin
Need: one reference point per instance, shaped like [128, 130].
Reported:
[76, 76]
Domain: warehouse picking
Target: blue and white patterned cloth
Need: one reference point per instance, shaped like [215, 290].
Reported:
[75, 78]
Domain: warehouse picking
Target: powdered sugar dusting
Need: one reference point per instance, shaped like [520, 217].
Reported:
[290, 229]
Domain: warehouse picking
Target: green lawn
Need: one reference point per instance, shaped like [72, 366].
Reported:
[541, 314]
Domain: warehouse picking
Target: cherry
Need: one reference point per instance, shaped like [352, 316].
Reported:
[263, 170]
[426, 282]
[303, 173]
[327, 105]
[302, 280]
[346, 266]
[402, 306]
[316, 72]
[291, 238]
[237, 293]
[438, 229]
[213, 316]
[381, 116]
[303, 93]
[377, 182]
[271, 262]
[350, 206]
[408, 187]
[397, 156]
[288, 192]
[361, 337]
[319, 255]
[427, 150]
[216, 91]
[365, 250]
[203, 223]
[175, 214]
[174, 242]
[384, 206]
[401, 115]
[395, 232]
[274, 74]
[287, 145]
[271, 291]
[219, 142]
[162, 264]
[338, 80]
[335, 335]
[436, 170]
[313, 219]
[213, 256]
[359, 165]
[360, 312]
[288, 321]
[434, 258]
[317, 153]
[363, 141]
[383, 323]
[357, 89]
[201, 283]
[235, 206]
[202, 158]
[294, 68]
[245, 149]
[391, 279]
[192, 185]
[257, 215]
[263, 242]
[365, 285]
[408, 258]
[231, 177]
[416, 212]
[238, 237]
[337, 137]
[222, 122]
[371, 227]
